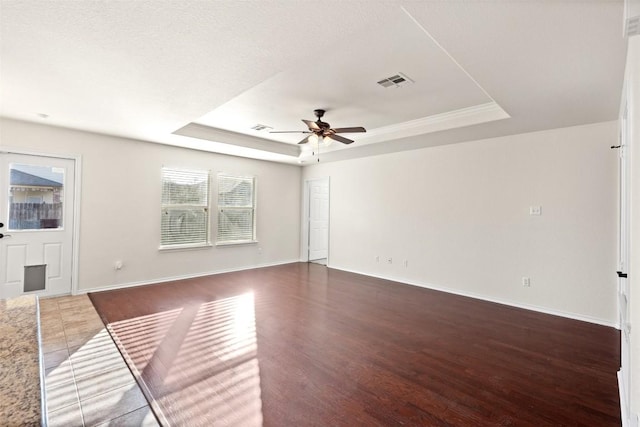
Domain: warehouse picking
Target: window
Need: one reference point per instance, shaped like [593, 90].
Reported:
[36, 194]
[236, 209]
[185, 208]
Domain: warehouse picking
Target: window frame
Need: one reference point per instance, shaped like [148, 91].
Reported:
[252, 208]
[206, 208]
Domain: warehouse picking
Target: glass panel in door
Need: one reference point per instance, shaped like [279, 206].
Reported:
[36, 197]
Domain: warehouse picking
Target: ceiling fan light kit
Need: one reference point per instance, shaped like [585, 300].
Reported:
[322, 141]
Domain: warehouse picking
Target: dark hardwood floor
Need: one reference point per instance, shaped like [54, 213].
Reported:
[302, 345]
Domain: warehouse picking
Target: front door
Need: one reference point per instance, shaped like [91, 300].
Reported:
[36, 212]
[318, 219]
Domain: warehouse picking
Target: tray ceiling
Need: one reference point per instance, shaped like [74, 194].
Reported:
[202, 74]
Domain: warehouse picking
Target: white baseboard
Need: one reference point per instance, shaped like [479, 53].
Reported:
[182, 277]
[569, 315]
[545, 310]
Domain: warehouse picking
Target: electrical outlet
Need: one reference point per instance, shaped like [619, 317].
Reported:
[526, 282]
[118, 265]
[535, 210]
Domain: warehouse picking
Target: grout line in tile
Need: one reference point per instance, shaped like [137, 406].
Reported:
[70, 327]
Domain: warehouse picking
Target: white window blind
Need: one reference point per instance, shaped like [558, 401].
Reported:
[236, 209]
[185, 208]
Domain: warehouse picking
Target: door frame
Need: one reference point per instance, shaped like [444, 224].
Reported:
[77, 170]
[623, 262]
[304, 238]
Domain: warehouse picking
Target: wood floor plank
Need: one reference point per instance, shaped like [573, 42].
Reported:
[302, 344]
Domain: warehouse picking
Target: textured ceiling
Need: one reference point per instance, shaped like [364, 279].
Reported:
[145, 69]
[343, 80]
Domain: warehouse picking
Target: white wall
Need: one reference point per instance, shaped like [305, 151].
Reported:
[632, 79]
[459, 215]
[120, 208]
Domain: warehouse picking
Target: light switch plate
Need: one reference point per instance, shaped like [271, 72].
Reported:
[535, 210]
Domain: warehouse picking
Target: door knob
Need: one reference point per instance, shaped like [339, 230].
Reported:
[1, 225]
[4, 235]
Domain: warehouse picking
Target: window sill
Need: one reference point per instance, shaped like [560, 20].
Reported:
[174, 248]
[243, 242]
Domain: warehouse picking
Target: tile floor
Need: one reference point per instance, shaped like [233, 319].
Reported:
[87, 383]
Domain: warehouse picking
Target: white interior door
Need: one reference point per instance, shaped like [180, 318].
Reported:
[36, 211]
[318, 219]
[623, 263]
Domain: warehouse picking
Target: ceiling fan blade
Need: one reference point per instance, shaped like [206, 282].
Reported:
[311, 125]
[340, 139]
[350, 130]
[289, 131]
[304, 140]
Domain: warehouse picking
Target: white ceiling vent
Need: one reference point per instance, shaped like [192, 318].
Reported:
[632, 27]
[397, 80]
[631, 18]
[260, 127]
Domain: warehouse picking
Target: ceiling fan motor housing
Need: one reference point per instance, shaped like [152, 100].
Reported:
[324, 126]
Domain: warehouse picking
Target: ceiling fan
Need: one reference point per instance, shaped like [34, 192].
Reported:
[320, 129]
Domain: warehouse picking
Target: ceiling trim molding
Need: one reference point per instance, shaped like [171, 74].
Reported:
[468, 116]
[209, 133]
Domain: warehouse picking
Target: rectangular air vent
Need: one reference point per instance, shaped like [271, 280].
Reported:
[396, 80]
[259, 127]
[632, 27]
